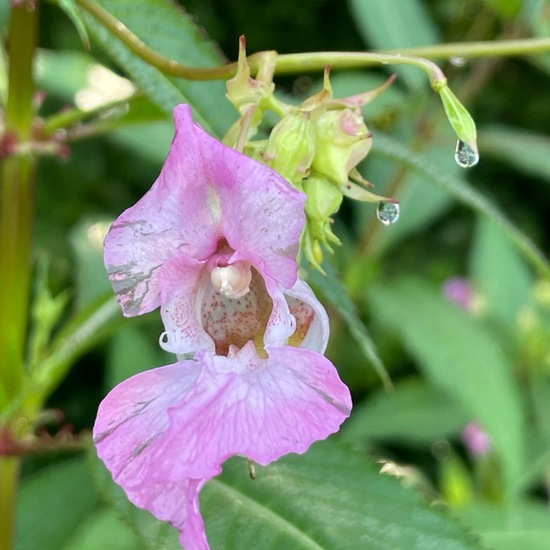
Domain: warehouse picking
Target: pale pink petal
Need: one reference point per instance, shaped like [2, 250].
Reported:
[245, 405]
[134, 415]
[130, 421]
[184, 283]
[178, 504]
[206, 193]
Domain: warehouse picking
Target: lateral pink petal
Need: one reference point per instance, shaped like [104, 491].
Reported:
[175, 215]
[134, 416]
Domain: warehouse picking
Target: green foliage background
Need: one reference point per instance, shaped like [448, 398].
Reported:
[389, 316]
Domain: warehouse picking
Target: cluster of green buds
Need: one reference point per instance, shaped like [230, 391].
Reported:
[316, 146]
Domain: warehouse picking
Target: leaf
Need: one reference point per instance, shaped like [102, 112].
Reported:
[389, 25]
[52, 505]
[523, 524]
[512, 540]
[86, 240]
[499, 273]
[69, 7]
[103, 530]
[73, 65]
[524, 151]
[420, 205]
[328, 498]
[168, 30]
[130, 352]
[336, 293]
[462, 191]
[458, 354]
[413, 412]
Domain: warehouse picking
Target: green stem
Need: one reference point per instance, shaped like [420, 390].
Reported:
[17, 199]
[9, 476]
[72, 117]
[303, 62]
[16, 213]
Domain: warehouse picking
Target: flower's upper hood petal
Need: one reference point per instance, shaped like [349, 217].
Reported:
[206, 192]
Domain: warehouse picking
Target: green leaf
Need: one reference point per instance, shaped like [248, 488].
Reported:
[52, 505]
[69, 7]
[151, 140]
[336, 293]
[512, 540]
[462, 191]
[329, 498]
[523, 524]
[86, 240]
[103, 530]
[413, 412]
[458, 354]
[73, 65]
[168, 30]
[524, 151]
[130, 352]
[421, 205]
[391, 24]
[499, 273]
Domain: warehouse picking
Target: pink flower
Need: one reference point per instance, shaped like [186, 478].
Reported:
[476, 439]
[214, 244]
[459, 291]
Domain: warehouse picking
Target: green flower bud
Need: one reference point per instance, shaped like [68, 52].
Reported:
[462, 122]
[323, 200]
[343, 141]
[291, 146]
[244, 91]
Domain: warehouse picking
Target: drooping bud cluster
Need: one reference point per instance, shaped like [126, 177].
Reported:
[316, 146]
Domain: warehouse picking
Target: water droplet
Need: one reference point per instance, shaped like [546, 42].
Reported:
[387, 212]
[465, 156]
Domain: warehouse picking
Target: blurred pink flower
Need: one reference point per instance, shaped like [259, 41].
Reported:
[459, 291]
[214, 244]
[476, 439]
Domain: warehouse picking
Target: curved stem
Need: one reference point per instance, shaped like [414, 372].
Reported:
[301, 62]
[499, 48]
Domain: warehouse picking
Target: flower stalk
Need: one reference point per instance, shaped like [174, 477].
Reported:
[316, 61]
[16, 214]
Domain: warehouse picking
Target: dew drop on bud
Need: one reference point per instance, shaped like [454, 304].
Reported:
[387, 212]
[465, 156]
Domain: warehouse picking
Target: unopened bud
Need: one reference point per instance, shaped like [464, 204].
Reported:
[342, 141]
[459, 118]
[291, 146]
[243, 90]
[323, 198]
